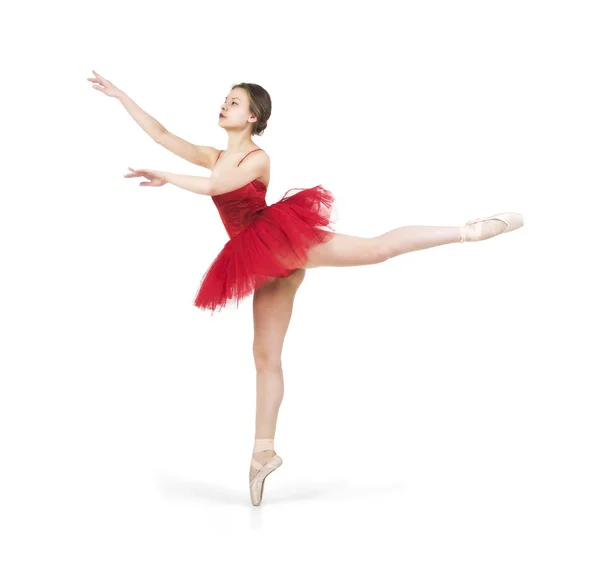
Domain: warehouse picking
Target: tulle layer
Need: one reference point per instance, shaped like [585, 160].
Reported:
[272, 246]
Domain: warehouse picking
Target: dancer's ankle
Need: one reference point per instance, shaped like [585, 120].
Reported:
[263, 444]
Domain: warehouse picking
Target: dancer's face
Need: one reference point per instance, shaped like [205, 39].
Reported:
[236, 110]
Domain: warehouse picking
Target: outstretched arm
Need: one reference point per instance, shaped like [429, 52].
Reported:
[149, 124]
[226, 182]
[254, 167]
[202, 155]
[199, 185]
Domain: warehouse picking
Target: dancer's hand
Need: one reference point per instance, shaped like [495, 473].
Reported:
[156, 178]
[105, 86]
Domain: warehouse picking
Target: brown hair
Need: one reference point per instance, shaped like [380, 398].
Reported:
[260, 105]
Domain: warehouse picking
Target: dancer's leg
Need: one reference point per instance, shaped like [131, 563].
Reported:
[272, 310]
[344, 250]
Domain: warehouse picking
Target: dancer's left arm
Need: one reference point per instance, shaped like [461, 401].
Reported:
[227, 181]
[208, 186]
[193, 183]
[199, 185]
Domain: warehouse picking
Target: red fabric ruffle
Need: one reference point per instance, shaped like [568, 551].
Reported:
[272, 246]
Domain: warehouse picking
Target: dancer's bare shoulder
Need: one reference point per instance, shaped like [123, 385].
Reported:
[259, 161]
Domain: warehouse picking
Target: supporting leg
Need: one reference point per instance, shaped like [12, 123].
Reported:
[272, 310]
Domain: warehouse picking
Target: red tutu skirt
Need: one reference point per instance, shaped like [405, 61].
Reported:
[273, 245]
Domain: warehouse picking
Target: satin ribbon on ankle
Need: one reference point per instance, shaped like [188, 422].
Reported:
[263, 444]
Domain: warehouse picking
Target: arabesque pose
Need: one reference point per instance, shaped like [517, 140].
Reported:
[270, 247]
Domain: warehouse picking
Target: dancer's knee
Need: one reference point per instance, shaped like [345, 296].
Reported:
[382, 249]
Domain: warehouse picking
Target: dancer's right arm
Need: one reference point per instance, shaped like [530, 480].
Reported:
[202, 155]
[149, 124]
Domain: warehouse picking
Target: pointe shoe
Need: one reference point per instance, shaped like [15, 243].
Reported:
[257, 484]
[478, 230]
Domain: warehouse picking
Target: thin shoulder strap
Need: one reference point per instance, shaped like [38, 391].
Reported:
[259, 149]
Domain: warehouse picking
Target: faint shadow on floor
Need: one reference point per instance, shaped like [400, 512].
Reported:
[173, 487]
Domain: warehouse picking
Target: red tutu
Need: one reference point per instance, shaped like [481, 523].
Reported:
[267, 242]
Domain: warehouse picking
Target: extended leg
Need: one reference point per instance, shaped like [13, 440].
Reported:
[342, 250]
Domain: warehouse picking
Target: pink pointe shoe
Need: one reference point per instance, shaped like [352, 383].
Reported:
[482, 228]
[259, 471]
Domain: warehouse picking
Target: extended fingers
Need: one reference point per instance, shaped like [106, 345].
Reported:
[134, 173]
[102, 79]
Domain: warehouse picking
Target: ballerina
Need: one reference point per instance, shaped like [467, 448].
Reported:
[270, 247]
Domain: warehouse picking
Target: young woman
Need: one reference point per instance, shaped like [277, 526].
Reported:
[270, 247]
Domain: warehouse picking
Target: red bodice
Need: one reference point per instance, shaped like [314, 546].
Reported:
[238, 208]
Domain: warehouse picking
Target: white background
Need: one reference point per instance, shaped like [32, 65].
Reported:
[439, 407]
